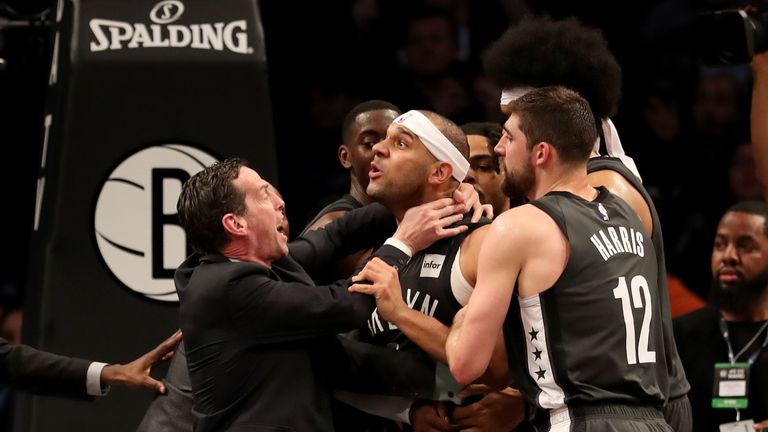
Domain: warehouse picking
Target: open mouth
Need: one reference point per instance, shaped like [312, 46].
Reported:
[375, 172]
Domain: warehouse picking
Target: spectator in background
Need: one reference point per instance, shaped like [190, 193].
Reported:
[478, 23]
[743, 179]
[733, 329]
[718, 126]
[434, 77]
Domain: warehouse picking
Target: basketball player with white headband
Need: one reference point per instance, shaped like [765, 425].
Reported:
[424, 157]
[578, 57]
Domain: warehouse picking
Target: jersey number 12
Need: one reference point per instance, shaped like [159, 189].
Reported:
[637, 352]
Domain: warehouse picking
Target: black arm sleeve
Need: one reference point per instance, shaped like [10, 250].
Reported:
[365, 368]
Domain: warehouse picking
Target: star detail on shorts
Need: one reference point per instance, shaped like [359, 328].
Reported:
[541, 373]
[533, 334]
[537, 354]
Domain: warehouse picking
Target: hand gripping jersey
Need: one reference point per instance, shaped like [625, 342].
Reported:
[595, 336]
[432, 283]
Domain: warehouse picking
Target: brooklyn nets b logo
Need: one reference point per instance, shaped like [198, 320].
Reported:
[135, 222]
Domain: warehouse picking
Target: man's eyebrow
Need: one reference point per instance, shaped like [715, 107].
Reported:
[405, 131]
[481, 157]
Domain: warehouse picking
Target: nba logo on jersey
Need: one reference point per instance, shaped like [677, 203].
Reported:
[431, 265]
[602, 211]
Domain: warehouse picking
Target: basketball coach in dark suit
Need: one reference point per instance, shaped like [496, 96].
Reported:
[255, 326]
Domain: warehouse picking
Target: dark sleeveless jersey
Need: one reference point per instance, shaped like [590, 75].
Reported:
[678, 384]
[595, 336]
[426, 285]
[346, 203]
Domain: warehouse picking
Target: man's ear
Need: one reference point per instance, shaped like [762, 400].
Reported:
[441, 173]
[542, 153]
[344, 157]
[232, 224]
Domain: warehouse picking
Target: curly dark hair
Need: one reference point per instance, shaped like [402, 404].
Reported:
[541, 52]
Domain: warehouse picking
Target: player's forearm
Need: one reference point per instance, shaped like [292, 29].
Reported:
[497, 373]
[468, 349]
[423, 330]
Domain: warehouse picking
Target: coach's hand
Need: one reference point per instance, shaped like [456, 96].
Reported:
[384, 287]
[467, 195]
[423, 225]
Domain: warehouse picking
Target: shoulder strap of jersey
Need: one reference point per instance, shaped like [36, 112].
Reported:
[550, 204]
[603, 163]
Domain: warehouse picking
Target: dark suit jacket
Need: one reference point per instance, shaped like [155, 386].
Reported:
[27, 369]
[257, 337]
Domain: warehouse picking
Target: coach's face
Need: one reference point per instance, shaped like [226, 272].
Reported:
[263, 217]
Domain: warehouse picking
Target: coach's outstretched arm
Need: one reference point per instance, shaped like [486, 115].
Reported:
[27, 369]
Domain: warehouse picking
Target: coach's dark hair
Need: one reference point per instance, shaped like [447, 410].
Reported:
[541, 52]
[560, 117]
[758, 208]
[205, 198]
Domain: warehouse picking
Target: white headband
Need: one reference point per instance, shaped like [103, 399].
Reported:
[511, 94]
[435, 142]
[614, 148]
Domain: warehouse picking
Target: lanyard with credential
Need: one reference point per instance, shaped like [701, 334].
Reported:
[731, 357]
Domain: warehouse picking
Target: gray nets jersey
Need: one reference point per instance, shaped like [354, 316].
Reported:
[596, 334]
[678, 384]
